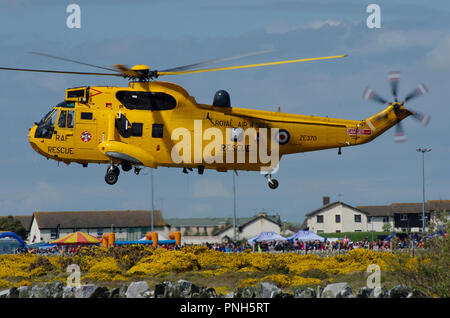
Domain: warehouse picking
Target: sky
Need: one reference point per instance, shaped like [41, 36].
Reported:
[414, 38]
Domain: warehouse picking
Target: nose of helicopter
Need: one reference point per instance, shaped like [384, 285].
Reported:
[32, 139]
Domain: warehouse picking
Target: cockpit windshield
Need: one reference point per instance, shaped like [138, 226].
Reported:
[46, 125]
[45, 117]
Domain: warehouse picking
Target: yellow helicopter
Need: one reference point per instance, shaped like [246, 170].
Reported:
[153, 123]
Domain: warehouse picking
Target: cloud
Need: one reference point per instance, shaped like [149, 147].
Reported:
[382, 41]
[282, 27]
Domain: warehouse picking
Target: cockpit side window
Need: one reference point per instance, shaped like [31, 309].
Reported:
[62, 119]
[66, 119]
[70, 117]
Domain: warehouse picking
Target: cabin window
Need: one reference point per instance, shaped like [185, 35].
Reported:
[157, 130]
[358, 218]
[320, 219]
[87, 116]
[338, 218]
[136, 129]
[146, 100]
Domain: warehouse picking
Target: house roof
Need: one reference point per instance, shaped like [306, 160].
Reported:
[182, 222]
[97, 219]
[332, 205]
[377, 210]
[198, 221]
[243, 222]
[405, 208]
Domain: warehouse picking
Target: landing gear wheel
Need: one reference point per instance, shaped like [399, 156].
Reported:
[114, 169]
[111, 177]
[126, 166]
[273, 183]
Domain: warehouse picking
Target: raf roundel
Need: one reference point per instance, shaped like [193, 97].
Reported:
[282, 137]
[86, 136]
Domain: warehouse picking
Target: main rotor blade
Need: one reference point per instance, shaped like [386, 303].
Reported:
[127, 72]
[420, 90]
[394, 78]
[57, 72]
[72, 61]
[248, 66]
[215, 61]
[421, 117]
[370, 94]
[399, 133]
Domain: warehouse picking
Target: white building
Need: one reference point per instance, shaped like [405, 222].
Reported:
[250, 227]
[127, 225]
[218, 230]
[337, 217]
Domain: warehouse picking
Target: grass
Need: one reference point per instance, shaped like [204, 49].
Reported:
[355, 236]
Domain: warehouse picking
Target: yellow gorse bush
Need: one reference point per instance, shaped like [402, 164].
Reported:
[286, 281]
[284, 269]
[162, 261]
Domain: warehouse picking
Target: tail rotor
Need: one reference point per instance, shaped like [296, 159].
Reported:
[394, 80]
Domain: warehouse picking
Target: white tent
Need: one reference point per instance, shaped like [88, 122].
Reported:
[306, 236]
[267, 236]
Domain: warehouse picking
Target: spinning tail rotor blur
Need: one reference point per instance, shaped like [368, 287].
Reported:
[394, 80]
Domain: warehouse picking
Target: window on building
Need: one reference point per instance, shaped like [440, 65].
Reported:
[357, 230]
[320, 219]
[369, 219]
[357, 218]
[53, 234]
[338, 231]
[404, 217]
[337, 218]
[319, 231]
[100, 232]
[385, 219]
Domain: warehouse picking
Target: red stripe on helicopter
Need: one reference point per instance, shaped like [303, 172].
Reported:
[353, 131]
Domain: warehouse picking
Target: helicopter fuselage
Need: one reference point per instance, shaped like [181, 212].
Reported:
[158, 123]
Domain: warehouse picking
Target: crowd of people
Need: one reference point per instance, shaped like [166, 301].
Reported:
[332, 246]
[50, 251]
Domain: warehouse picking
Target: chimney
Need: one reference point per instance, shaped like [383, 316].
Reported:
[326, 200]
